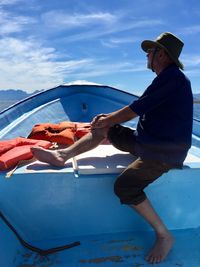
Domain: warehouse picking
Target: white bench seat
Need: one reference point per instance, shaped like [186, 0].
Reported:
[108, 159]
[102, 159]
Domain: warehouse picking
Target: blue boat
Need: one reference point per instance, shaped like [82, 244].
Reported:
[69, 216]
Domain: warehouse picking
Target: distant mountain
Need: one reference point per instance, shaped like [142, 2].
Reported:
[15, 95]
[12, 94]
[196, 96]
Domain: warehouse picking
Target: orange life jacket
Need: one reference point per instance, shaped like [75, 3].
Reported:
[62, 133]
[14, 150]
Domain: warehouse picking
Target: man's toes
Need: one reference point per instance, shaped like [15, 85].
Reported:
[149, 258]
[153, 259]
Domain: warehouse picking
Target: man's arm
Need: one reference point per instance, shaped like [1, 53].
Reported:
[119, 116]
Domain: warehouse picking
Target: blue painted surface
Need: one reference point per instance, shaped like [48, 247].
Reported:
[50, 206]
[120, 249]
[10, 247]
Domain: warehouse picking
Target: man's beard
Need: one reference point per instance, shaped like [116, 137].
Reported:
[149, 65]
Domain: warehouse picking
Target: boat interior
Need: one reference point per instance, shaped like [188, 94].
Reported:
[50, 207]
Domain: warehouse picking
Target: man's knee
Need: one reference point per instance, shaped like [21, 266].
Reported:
[114, 132]
[122, 138]
[129, 193]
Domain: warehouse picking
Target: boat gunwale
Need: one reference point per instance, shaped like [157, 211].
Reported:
[54, 88]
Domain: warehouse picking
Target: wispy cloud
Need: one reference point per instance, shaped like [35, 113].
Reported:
[190, 30]
[31, 61]
[93, 24]
[61, 20]
[116, 28]
[192, 64]
[191, 60]
[98, 68]
[124, 40]
[27, 62]
[66, 40]
[10, 23]
[115, 42]
[9, 2]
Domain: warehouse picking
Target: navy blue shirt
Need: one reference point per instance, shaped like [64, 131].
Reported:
[165, 114]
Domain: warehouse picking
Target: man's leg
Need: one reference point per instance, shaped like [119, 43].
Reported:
[164, 240]
[60, 156]
[129, 188]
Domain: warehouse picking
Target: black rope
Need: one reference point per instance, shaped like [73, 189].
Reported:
[35, 249]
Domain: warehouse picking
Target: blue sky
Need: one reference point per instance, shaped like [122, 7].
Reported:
[45, 43]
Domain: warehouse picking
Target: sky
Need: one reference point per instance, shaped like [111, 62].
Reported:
[45, 43]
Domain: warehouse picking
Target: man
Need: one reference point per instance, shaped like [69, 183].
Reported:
[160, 142]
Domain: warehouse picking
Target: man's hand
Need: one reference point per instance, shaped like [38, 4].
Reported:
[100, 121]
[107, 120]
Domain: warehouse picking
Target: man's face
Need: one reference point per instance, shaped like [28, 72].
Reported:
[151, 57]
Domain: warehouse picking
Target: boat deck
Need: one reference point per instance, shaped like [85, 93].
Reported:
[119, 249]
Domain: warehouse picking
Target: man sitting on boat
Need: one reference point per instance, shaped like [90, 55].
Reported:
[160, 142]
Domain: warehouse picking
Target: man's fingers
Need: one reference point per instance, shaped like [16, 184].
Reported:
[96, 118]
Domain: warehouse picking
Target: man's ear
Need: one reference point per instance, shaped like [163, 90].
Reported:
[162, 53]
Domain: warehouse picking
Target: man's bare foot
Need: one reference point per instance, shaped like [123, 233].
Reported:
[52, 157]
[160, 249]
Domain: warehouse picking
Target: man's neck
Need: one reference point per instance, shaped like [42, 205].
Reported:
[162, 67]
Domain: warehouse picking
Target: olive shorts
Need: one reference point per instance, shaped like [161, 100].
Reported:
[130, 184]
